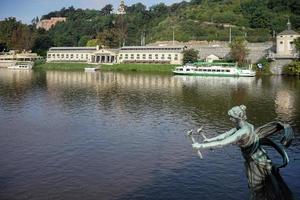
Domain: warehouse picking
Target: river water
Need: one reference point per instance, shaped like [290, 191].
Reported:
[110, 135]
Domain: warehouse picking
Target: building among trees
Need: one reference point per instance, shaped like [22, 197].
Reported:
[285, 43]
[121, 9]
[10, 58]
[286, 51]
[48, 23]
[285, 47]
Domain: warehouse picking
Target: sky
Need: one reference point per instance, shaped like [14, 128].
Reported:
[26, 10]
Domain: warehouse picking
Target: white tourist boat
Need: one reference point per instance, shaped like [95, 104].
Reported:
[213, 70]
[22, 66]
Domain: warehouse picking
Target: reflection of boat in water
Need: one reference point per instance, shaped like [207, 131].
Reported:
[213, 70]
[22, 66]
[212, 81]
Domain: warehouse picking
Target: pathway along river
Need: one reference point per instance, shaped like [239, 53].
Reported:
[107, 135]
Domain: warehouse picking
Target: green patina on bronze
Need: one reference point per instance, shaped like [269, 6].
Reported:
[264, 180]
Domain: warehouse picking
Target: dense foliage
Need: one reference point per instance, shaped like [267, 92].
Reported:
[238, 50]
[190, 56]
[255, 20]
[292, 69]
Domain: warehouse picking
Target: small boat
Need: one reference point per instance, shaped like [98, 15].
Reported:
[91, 69]
[213, 70]
[23, 66]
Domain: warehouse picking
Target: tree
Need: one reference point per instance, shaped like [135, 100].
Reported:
[83, 41]
[93, 43]
[109, 38]
[190, 56]
[34, 21]
[42, 43]
[238, 50]
[3, 47]
[159, 10]
[106, 10]
[136, 8]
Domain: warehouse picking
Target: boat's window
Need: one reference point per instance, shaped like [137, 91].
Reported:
[180, 69]
[213, 70]
[187, 69]
[204, 70]
[227, 70]
[200, 70]
[222, 70]
[218, 70]
[209, 70]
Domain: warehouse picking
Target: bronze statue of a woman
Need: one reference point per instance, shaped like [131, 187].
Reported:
[264, 180]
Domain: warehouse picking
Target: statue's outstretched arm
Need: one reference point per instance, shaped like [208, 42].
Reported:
[222, 136]
[233, 138]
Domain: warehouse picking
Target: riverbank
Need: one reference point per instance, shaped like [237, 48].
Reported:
[161, 68]
[61, 66]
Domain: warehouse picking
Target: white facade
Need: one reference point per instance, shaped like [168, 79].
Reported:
[19, 56]
[285, 43]
[151, 54]
[70, 54]
[132, 54]
[211, 58]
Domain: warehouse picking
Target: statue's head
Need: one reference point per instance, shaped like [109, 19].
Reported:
[238, 113]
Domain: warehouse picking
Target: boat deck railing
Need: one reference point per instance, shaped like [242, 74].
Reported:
[207, 64]
[220, 64]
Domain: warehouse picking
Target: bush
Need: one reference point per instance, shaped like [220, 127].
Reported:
[292, 69]
[39, 62]
[265, 66]
[190, 56]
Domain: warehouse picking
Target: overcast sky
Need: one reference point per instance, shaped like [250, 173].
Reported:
[26, 10]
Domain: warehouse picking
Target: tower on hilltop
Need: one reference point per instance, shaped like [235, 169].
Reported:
[121, 9]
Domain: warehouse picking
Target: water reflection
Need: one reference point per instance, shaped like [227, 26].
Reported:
[285, 104]
[8, 76]
[127, 91]
[110, 79]
[73, 135]
[15, 84]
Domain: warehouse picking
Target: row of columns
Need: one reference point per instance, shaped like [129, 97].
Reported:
[103, 59]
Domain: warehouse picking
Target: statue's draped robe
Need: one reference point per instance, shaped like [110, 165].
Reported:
[264, 180]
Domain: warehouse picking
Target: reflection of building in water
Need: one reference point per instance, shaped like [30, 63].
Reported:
[284, 104]
[19, 76]
[111, 79]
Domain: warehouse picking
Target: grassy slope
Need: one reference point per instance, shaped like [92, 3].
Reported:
[62, 66]
[117, 67]
[139, 67]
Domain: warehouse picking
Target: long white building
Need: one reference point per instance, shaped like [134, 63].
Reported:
[130, 54]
